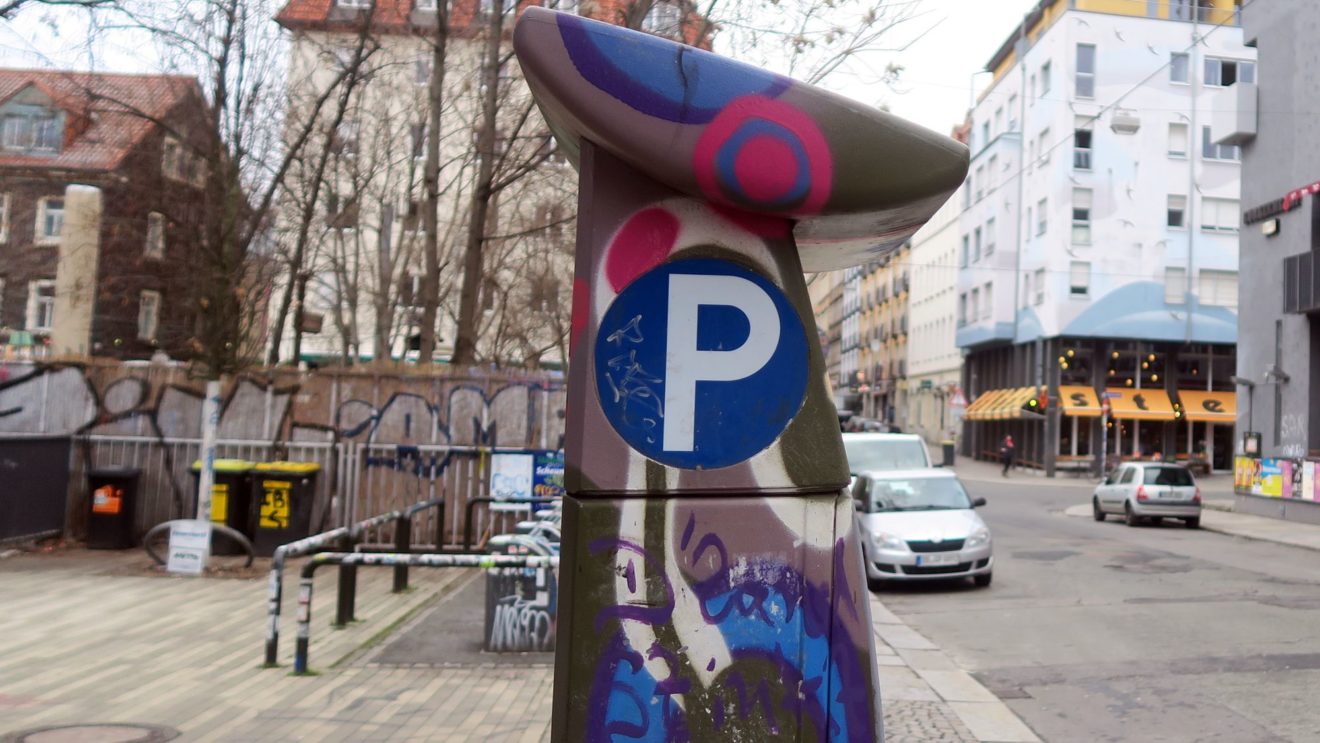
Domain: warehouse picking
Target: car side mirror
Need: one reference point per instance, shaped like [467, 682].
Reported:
[859, 506]
[978, 502]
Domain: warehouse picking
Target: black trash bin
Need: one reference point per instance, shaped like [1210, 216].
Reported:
[111, 508]
[231, 497]
[282, 497]
[950, 450]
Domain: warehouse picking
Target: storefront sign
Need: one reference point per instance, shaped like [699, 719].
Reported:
[1290, 201]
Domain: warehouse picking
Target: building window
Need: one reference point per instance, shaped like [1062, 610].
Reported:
[1212, 151]
[976, 244]
[1180, 10]
[1012, 112]
[985, 133]
[980, 182]
[1040, 286]
[962, 256]
[422, 69]
[41, 306]
[31, 130]
[1079, 278]
[1045, 79]
[1027, 229]
[1082, 149]
[1175, 285]
[544, 295]
[1219, 288]
[1044, 145]
[990, 171]
[356, 4]
[417, 132]
[962, 309]
[1085, 71]
[50, 220]
[155, 235]
[4, 217]
[1081, 216]
[1179, 67]
[1219, 215]
[345, 139]
[974, 309]
[1177, 212]
[1032, 90]
[1026, 289]
[1226, 72]
[340, 215]
[148, 315]
[1177, 140]
[990, 236]
[999, 120]
[426, 5]
[988, 305]
[1041, 219]
[665, 18]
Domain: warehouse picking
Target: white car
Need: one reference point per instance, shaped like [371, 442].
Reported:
[1149, 490]
[876, 452]
[920, 525]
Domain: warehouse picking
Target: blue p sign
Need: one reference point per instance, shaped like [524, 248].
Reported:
[701, 363]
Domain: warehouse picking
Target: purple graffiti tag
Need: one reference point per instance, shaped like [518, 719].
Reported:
[636, 610]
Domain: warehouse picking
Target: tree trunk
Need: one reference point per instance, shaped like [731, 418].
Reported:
[430, 287]
[465, 343]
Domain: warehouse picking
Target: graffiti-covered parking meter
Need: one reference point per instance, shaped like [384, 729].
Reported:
[711, 584]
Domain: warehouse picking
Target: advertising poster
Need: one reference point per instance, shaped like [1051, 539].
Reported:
[510, 479]
[548, 475]
[1308, 480]
[1271, 478]
[1242, 474]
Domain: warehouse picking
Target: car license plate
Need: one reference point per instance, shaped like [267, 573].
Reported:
[948, 558]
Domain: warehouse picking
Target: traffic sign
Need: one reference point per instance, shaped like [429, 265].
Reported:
[701, 363]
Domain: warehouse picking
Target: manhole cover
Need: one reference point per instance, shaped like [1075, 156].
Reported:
[93, 733]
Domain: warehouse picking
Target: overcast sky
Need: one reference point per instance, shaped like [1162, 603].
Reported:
[934, 90]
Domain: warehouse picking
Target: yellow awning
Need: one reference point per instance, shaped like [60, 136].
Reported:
[1079, 402]
[976, 411]
[1208, 407]
[1140, 405]
[1011, 408]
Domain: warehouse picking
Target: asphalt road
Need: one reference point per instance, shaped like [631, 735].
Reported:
[1100, 632]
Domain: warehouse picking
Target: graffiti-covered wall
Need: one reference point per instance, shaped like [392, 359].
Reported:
[493, 409]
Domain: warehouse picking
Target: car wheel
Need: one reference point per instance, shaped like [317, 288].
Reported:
[1156, 520]
[1193, 523]
[875, 584]
[1128, 516]
[983, 579]
[1095, 510]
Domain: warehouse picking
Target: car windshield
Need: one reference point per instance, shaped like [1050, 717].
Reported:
[879, 454]
[917, 494]
[1174, 476]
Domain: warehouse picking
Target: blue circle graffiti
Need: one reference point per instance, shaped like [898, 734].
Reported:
[700, 363]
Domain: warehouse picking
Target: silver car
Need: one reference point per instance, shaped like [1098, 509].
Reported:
[1149, 490]
[919, 525]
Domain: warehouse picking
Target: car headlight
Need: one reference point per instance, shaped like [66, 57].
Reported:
[978, 538]
[883, 541]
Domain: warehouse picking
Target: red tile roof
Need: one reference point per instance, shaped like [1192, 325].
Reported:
[106, 113]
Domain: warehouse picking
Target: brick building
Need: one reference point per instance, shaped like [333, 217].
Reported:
[122, 151]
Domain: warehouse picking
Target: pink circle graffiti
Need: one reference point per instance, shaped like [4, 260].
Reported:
[640, 245]
[766, 166]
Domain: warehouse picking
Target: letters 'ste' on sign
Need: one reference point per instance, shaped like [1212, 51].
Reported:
[701, 363]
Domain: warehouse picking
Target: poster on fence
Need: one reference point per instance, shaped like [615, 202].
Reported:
[1308, 480]
[548, 476]
[511, 479]
[1271, 478]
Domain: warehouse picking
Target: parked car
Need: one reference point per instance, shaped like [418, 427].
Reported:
[877, 452]
[1149, 490]
[919, 525]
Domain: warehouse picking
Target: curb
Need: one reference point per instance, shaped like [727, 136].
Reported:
[912, 667]
[1215, 524]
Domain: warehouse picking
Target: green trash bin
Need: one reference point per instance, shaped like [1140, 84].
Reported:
[231, 495]
[283, 494]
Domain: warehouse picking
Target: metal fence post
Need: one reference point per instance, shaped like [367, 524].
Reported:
[304, 618]
[347, 597]
[402, 545]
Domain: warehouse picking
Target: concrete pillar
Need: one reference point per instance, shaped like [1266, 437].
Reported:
[75, 274]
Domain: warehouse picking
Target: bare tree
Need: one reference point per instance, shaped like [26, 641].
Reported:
[430, 285]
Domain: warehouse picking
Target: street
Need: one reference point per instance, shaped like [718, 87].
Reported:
[1100, 632]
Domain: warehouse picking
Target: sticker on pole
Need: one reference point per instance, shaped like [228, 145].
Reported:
[701, 363]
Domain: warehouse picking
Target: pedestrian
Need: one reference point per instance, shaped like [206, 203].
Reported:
[1006, 451]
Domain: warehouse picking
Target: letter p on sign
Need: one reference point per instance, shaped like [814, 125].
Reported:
[700, 363]
[685, 364]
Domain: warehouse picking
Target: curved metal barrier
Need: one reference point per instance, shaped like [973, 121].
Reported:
[228, 531]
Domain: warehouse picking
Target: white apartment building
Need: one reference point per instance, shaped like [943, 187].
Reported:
[1097, 246]
[934, 360]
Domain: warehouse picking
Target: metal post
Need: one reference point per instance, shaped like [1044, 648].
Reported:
[402, 545]
[347, 595]
[304, 619]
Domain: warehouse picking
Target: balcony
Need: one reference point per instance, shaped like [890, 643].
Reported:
[1233, 121]
[1301, 284]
